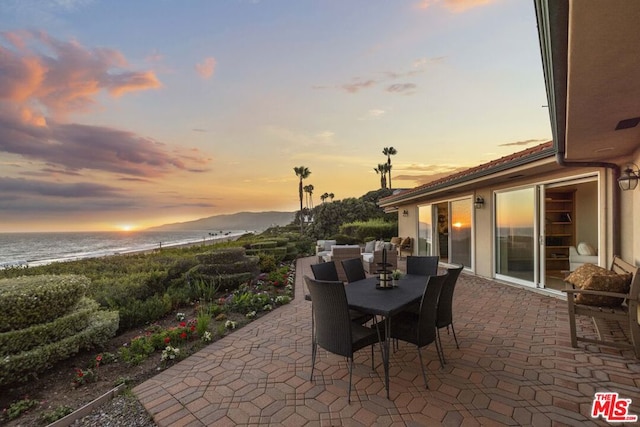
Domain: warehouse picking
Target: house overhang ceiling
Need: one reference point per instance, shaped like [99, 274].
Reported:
[591, 59]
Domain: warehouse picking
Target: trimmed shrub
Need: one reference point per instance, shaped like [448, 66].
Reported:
[134, 312]
[375, 227]
[248, 264]
[343, 239]
[26, 301]
[222, 256]
[16, 341]
[20, 366]
[267, 244]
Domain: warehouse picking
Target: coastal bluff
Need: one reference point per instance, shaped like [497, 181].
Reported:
[254, 221]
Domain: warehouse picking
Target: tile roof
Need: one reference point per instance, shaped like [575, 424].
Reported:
[533, 153]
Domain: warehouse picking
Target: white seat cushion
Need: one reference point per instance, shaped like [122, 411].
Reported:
[367, 257]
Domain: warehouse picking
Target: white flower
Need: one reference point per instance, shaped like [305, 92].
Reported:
[206, 337]
[251, 315]
[267, 307]
[180, 316]
[230, 324]
[169, 353]
[282, 299]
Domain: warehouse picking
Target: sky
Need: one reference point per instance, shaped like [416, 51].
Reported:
[119, 114]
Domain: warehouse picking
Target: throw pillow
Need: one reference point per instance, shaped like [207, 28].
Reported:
[595, 278]
[585, 249]
[379, 245]
[396, 240]
[369, 247]
[406, 242]
[328, 244]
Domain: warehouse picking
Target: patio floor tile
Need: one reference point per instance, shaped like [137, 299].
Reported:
[515, 366]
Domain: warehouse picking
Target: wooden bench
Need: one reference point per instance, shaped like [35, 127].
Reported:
[626, 313]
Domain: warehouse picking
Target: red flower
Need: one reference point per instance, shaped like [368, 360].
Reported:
[167, 340]
[193, 328]
[183, 324]
[183, 335]
[99, 358]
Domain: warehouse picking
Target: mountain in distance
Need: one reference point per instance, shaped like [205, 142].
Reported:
[251, 221]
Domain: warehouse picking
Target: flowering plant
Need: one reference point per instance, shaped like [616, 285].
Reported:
[230, 324]
[251, 314]
[283, 299]
[396, 274]
[169, 353]
[206, 337]
[180, 317]
[83, 376]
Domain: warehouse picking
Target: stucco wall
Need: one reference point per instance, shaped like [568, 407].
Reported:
[483, 218]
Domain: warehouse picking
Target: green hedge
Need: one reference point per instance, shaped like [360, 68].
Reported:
[135, 312]
[21, 366]
[279, 252]
[376, 227]
[222, 256]
[247, 265]
[30, 300]
[19, 340]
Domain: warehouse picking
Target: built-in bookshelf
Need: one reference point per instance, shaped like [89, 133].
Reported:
[559, 231]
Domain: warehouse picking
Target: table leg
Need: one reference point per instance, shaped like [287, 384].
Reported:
[387, 340]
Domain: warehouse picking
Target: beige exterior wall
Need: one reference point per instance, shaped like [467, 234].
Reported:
[483, 218]
[630, 223]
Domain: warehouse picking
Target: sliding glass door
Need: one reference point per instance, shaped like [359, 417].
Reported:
[460, 232]
[445, 230]
[515, 233]
[425, 230]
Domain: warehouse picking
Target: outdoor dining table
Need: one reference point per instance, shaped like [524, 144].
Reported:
[364, 296]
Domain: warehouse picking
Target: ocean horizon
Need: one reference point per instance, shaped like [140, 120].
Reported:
[36, 248]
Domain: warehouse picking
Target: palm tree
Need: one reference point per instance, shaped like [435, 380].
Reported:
[324, 197]
[331, 196]
[309, 190]
[382, 170]
[389, 151]
[302, 172]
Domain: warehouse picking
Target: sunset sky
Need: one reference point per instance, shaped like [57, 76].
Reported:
[118, 113]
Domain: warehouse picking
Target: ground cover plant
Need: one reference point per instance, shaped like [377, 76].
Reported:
[193, 303]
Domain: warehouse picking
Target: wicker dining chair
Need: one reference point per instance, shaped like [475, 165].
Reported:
[353, 269]
[445, 306]
[334, 330]
[325, 271]
[423, 265]
[420, 329]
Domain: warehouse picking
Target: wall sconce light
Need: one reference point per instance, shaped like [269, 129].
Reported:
[405, 212]
[629, 177]
[479, 203]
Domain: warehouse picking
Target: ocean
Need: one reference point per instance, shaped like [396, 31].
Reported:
[33, 249]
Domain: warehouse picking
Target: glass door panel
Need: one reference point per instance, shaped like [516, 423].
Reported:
[460, 232]
[425, 230]
[515, 234]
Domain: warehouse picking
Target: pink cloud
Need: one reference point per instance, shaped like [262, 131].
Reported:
[63, 76]
[206, 68]
[76, 147]
[455, 6]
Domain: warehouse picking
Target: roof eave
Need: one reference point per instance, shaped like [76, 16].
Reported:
[479, 175]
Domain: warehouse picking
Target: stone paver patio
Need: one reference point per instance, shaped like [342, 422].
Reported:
[515, 366]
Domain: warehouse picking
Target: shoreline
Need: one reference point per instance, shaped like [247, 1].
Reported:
[205, 241]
